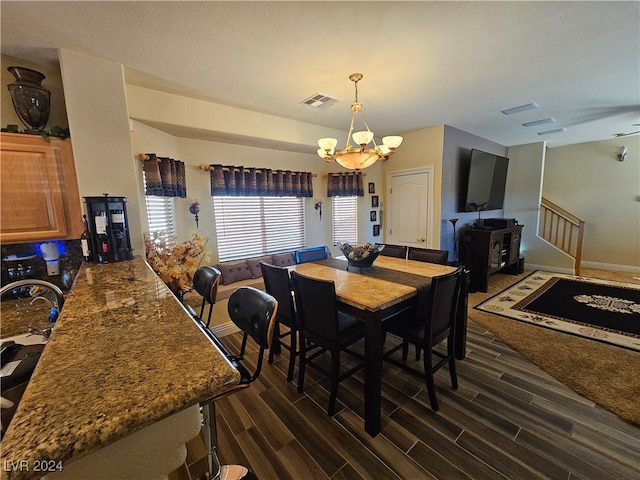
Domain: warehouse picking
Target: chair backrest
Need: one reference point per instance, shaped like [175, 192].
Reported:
[441, 315]
[254, 312]
[428, 255]
[278, 284]
[317, 308]
[206, 281]
[398, 251]
[312, 253]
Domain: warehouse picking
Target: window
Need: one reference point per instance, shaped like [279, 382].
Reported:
[160, 215]
[252, 226]
[345, 219]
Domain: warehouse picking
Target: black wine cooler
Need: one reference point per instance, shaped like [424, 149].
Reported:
[109, 229]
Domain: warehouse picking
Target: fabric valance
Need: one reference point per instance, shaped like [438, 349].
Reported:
[345, 184]
[259, 182]
[164, 177]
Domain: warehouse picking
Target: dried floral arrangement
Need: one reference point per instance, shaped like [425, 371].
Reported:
[174, 262]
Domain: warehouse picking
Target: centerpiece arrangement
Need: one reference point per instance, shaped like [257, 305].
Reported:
[361, 256]
[176, 262]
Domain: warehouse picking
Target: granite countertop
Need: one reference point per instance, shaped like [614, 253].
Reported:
[123, 355]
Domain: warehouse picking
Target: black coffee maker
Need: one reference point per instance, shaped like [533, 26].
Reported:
[108, 229]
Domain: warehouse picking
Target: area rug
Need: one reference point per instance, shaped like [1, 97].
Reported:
[600, 310]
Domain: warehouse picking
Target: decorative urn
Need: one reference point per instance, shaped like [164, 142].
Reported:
[31, 101]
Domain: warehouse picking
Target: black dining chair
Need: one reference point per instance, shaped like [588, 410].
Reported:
[311, 254]
[428, 255]
[426, 329]
[278, 284]
[324, 328]
[254, 312]
[205, 282]
[397, 251]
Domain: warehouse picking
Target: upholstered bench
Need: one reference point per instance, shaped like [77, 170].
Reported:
[235, 274]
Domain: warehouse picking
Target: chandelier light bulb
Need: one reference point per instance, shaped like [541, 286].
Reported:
[327, 144]
[392, 141]
[362, 138]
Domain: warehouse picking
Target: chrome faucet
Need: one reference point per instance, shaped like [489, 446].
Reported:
[46, 332]
[55, 304]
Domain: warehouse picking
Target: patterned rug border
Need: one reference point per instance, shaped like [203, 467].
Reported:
[534, 285]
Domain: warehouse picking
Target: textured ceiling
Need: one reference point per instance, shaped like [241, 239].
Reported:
[424, 63]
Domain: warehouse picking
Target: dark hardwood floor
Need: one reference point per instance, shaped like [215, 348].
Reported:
[508, 419]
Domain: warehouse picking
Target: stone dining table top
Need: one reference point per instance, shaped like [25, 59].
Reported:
[123, 355]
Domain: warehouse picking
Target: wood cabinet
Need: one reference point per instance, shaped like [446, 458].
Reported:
[490, 251]
[39, 190]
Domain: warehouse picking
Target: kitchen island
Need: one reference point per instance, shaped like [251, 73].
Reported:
[116, 391]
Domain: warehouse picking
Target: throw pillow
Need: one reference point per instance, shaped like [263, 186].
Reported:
[254, 265]
[234, 271]
[284, 259]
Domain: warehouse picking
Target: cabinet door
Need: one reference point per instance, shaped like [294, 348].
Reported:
[32, 206]
[495, 253]
[514, 254]
[69, 186]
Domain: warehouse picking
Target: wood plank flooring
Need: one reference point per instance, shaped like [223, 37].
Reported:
[507, 420]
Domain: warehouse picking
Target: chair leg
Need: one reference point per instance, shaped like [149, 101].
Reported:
[452, 366]
[335, 373]
[418, 350]
[292, 354]
[428, 372]
[244, 344]
[405, 349]
[275, 344]
[302, 363]
[271, 355]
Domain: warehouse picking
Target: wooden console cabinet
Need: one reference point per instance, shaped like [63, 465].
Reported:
[490, 251]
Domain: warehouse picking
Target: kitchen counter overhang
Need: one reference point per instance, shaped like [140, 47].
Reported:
[123, 355]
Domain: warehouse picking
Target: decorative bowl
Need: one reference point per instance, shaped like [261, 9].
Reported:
[360, 256]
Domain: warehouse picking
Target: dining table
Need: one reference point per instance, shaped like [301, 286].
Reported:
[373, 295]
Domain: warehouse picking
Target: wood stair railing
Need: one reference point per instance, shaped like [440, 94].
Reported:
[562, 229]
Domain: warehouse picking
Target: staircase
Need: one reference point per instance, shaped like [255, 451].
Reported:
[562, 229]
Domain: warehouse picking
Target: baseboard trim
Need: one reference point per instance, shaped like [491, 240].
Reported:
[596, 265]
[548, 268]
[612, 266]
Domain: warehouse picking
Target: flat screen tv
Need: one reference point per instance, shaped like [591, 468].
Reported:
[487, 182]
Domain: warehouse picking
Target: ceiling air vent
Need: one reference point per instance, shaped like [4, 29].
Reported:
[320, 100]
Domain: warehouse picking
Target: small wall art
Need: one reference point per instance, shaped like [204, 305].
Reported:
[376, 230]
[373, 215]
[372, 187]
[375, 201]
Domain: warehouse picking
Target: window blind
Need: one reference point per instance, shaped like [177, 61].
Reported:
[252, 226]
[160, 215]
[345, 219]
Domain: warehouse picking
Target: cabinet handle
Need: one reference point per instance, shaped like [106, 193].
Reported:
[420, 239]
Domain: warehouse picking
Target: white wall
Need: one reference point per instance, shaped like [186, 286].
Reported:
[588, 180]
[99, 122]
[419, 149]
[522, 202]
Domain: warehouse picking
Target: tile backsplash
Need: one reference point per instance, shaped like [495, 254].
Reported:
[70, 258]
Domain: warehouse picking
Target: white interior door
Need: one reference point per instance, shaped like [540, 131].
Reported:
[409, 208]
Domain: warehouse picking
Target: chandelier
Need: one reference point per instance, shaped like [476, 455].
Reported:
[356, 158]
